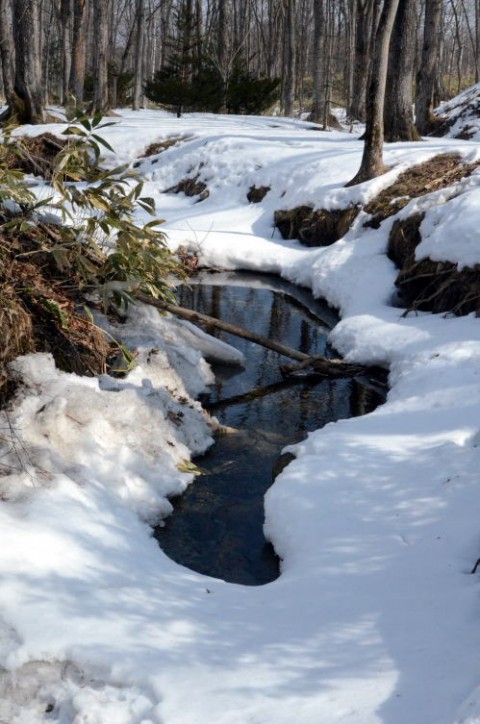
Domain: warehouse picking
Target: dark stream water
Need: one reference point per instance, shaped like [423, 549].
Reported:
[216, 528]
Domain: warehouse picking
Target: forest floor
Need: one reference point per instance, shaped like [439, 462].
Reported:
[375, 615]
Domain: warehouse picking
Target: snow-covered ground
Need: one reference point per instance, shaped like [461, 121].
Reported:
[375, 617]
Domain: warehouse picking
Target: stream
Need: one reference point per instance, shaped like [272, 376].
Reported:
[217, 524]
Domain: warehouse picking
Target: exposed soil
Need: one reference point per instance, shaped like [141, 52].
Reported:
[154, 149]
[191, 187]
[428, 285]
[433, 175]
[315, 227]
[256, 194]
[160, 146]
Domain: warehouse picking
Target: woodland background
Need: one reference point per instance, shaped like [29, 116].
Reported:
[292, 56]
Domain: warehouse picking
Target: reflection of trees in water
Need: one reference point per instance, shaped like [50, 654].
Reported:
[218, 527]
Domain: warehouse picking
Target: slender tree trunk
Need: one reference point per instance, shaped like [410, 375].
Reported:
[363, 31]
[289, 58]
[28, 70]
[351, 22]
[6, 57]
[426, 77]
[139, 51]
[100, 63]
[77, 70]
[65, 21]
[222, 51]
[372, 160]
[318, 40]
[398, 113]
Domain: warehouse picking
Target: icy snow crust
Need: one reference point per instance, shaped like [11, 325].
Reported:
[375, 616]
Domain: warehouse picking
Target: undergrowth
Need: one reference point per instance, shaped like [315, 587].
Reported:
[74, 240]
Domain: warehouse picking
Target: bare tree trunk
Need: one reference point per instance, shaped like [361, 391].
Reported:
[289, 58]
[139, 49]
[100, 62]
[426, 77]
[351, 21]
[28, 71]
[398, 112]
[222, 51]
[318, 40]
[363, 31]
[77, 70]
[372, 160]
[65, 20]
[6, 57]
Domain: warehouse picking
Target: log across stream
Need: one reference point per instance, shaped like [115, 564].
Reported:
[217, 524]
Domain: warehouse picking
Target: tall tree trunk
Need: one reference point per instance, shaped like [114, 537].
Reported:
[363, 32]
[351, 22]
[6, 57]
[28, 70]
[289, 58]
[77, 69]
[222, 51]
[100, 61]
[398, 112]
[65, 21]
[318, 42]
[139, 47]
[372, 159]
[426, 77]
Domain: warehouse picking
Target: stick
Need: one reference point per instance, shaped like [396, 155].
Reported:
[320, 366]
[225, 326]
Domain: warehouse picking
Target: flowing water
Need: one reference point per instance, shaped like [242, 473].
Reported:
[216, 527]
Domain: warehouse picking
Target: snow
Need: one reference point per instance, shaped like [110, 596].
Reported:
[374, 618]
[461, 113]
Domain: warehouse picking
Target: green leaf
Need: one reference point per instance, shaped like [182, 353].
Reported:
[103, 142]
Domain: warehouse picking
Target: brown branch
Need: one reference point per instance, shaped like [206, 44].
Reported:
[192, 316]
[310, 366]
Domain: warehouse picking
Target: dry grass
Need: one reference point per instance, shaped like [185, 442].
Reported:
[433, 175]
[34, 155]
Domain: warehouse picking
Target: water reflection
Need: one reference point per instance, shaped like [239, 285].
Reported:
[216, 528]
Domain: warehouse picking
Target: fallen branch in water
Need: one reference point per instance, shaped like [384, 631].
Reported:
[192, 316]
[310, 366]
[324, 367]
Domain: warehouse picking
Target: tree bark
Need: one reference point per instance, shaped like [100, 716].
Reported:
[139, 48]
[363, 32]
[398, 112]
[65, 23]
[100, 65]
[427, 75]
[318, 42]
[6, 57]
[77, 69]
[372, 159]
[28, 70]
[222, 51]
[289, 58]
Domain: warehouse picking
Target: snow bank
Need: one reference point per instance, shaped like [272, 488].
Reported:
[375, 615]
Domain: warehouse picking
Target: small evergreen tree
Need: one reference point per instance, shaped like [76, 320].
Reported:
[205, 90]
